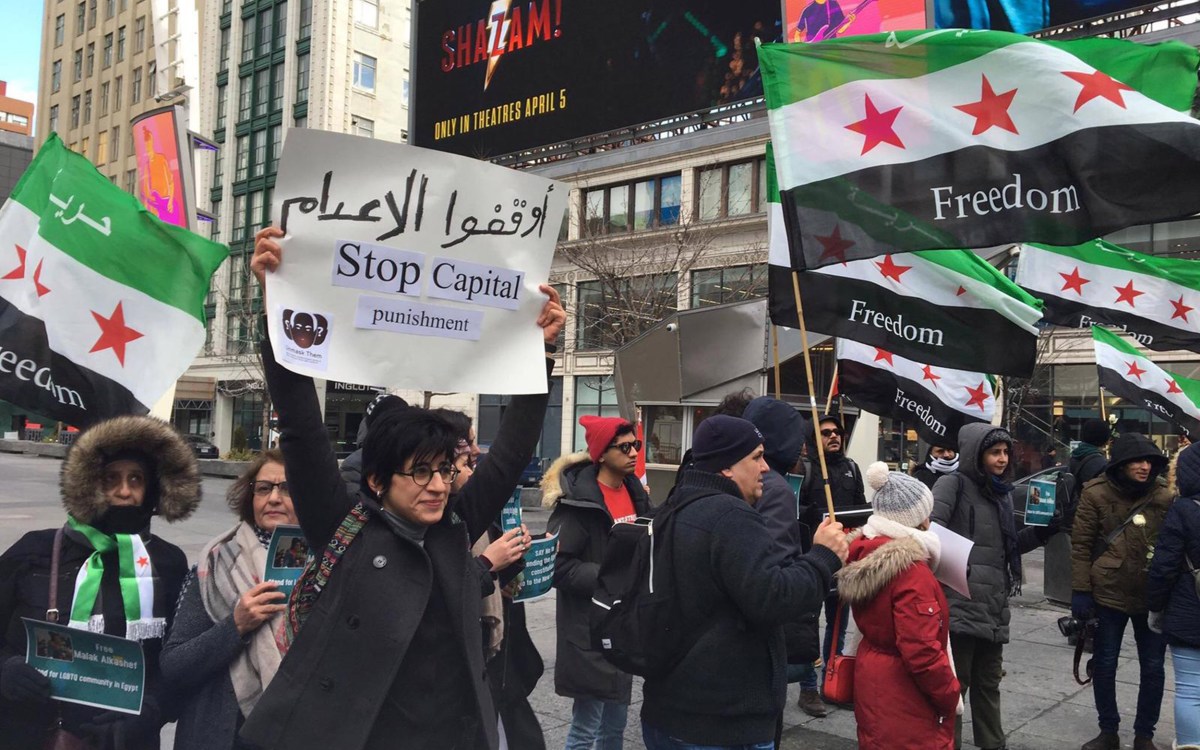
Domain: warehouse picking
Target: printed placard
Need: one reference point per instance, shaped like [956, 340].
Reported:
[305, 337]
[475, 282]
[510, 515]
[376, 268]
[92, 669]
[418, 319]
[287, 555]
[1041, 502]
[538, 575]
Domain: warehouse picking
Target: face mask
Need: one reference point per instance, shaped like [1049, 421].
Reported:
[125, 519]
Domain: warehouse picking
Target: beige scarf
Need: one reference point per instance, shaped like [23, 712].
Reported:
[493, 607]
[230, 565]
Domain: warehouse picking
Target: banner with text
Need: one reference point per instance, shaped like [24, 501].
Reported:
[538, 575]
[410, 267]
[88, 668]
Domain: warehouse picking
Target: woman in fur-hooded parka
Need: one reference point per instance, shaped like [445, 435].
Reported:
[171, 491]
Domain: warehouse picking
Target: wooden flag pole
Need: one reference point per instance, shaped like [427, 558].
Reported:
[812, 398]
[1103, 407]
[832, 388]
[775, 349]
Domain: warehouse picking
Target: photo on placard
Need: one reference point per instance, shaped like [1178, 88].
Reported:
[57, 646]
[292, 552]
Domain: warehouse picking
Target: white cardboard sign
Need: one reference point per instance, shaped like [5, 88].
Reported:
[410, 267]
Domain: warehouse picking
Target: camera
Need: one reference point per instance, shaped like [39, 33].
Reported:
[1073, 627]
[672, 327]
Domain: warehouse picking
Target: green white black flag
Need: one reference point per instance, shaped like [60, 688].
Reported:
[1126, 372]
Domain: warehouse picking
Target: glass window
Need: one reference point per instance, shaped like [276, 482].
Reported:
[669, 201]
[594, 394]
[643, 204]
[102, 148]
[110, 7]
[277, 87]
[56, 76]
[218, 170]
[239, 219]
[242, 160]
[85, 147]
[740, 193]
[75, 111]
[91, 14]
[256, 211]
[300, 122]
[366, 13]
[80, 11]
[362, 126]
[60, 29]
[87, 106]
[258, 158]
[135, 86]
[77, 66]
[91, 58]
[276, 148]
[717, 286]
[151, 79]
[121, 44]
[647, 204]
[116, 144]
[108, 51]
[139, 34]
[103, 98]
[301, 79]
[245, 96]
[614, 311]
[262, 92]
[264, 32]
[710, 193]
[305, 19]
[364, 71]
[664, 434]
[593, 211]
[118, 89]
[224, 53]
[247, 41]
[618, 208]
[222, 105]
[131, 181]
[54, 118]
[281, 25]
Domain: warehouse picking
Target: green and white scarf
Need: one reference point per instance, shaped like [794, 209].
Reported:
[136, 578]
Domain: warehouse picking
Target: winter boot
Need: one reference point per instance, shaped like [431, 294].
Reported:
[810, 703]
[1103, 741]
[1144, 743]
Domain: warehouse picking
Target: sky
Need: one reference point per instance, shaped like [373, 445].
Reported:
[20, 43]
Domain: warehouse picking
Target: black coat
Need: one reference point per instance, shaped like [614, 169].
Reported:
[582, 522]
[24, 592]
[778, 507]
[345, 664]
[1171, 588]
[730, 686]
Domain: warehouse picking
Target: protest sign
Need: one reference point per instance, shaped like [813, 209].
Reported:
[286, 556]
[538, 575]
[1040, 505]
[952, 567]
[88, 668]
[510, 515]
[410, 267]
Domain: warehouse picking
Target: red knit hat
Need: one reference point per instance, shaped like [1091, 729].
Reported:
[599, 432]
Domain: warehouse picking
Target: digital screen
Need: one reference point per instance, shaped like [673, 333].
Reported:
[818, 20]
[498, 76]
[1022, 16]
[160, 184]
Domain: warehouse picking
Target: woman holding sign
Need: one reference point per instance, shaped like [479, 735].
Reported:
[113, 577]
[221, 651]
[384, 639]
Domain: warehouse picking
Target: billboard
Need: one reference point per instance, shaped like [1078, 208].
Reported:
[818, 20]
[1022, 16]
[163, 177]
[497, 76]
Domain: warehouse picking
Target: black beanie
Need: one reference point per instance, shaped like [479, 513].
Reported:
[721, 441]
[1095, 432]
[382, 403]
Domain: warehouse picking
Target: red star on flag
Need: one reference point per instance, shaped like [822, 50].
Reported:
[143, 561]
[19, 271]
[1127, 294]
[961, 291]
[833, 246]
[890, 269]
[880, 354]
[1135, 371]
[1074, 281]
[1181, 310]
[42, 289]
[991, 110]
[1097, 84]
[928, 375]
[877, 127]
[978, 396]
[1173, 387]
[114, 334]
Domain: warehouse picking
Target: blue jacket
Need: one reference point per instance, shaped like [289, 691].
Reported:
[1171, 587]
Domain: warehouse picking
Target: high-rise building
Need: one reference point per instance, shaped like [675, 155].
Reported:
[267, 66]
[16, 115]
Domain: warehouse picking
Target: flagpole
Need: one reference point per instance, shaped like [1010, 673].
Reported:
[832, 388]
[1103, 407]
[812, 397]
[775, 349]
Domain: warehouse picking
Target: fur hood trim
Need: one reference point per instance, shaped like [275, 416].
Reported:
[552, 488]
[862, 580]
[174, 465]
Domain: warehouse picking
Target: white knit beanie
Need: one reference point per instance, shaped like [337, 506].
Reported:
[899, 497]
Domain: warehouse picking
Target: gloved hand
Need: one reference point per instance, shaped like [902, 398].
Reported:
[22, 683]
[1082, 605]
[112, 730]
[1155, 621]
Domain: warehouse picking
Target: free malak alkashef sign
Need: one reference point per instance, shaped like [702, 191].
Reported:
[410, 267]
[89, 668]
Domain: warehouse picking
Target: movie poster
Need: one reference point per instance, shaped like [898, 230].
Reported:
[818, 20]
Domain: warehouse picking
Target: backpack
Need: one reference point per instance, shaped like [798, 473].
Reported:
[636, 622]
[1070, 489]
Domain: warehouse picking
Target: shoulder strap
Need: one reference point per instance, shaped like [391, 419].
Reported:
[1112, 535]
[52, 602]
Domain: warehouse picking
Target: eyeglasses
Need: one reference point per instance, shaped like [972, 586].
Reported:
[830, 432]
[627, 448]
[266, 488]
[422, 474]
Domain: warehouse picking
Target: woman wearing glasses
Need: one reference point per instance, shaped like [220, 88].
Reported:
[221, 650]
[383, 634]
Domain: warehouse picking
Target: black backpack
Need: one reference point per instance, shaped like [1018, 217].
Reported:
[1069, 489]
[636, 623]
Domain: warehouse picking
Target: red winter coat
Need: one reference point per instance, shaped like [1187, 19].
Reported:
[905, 691]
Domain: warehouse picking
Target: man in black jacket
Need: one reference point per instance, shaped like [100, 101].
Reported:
[735, 594]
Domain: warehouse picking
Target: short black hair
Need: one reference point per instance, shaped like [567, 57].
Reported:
[459, 421]
[625, 429]
[398, 435]
[734, 404]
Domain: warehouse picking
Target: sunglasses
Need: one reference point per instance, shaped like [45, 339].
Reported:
[830, 432]
[627, 448]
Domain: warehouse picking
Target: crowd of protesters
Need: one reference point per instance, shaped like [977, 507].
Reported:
[402, 630]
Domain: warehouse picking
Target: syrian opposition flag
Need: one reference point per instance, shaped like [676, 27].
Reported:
[101, 304]
[934, 401]
[948, 308]
[1156, 300]
[1126, 372]
[920, 140]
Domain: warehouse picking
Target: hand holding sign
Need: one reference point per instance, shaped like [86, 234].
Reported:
[256, 606]
[508, 548]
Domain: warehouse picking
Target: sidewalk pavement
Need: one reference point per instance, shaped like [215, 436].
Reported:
[1043, 707]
